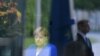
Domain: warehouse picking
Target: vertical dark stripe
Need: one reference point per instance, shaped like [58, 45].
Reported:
[60, 24]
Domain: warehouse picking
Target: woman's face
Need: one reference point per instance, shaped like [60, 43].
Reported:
[40, 40]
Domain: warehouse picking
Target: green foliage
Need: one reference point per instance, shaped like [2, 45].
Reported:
[79, 4]
[87, 4]
[28, 41]
[45, 12]
[96, 3]
[30, 16]
[30, 20]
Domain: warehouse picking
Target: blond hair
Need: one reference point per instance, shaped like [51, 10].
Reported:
[41, 30]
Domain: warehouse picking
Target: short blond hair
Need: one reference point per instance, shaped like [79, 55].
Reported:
[41, 30]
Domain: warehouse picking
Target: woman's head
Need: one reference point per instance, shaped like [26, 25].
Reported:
[41, 38]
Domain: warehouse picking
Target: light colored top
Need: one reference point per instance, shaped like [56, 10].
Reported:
[48, 50]
[38, 50]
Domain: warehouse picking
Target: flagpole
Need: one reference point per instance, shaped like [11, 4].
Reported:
[38, 13]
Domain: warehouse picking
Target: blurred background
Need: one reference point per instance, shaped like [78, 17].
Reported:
[90, 9]
[31, 18]
[83, 9]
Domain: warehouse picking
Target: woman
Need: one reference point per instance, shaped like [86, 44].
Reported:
[41, 46]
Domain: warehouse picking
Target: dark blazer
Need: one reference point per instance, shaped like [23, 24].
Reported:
[76, 48]
[81, 40]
